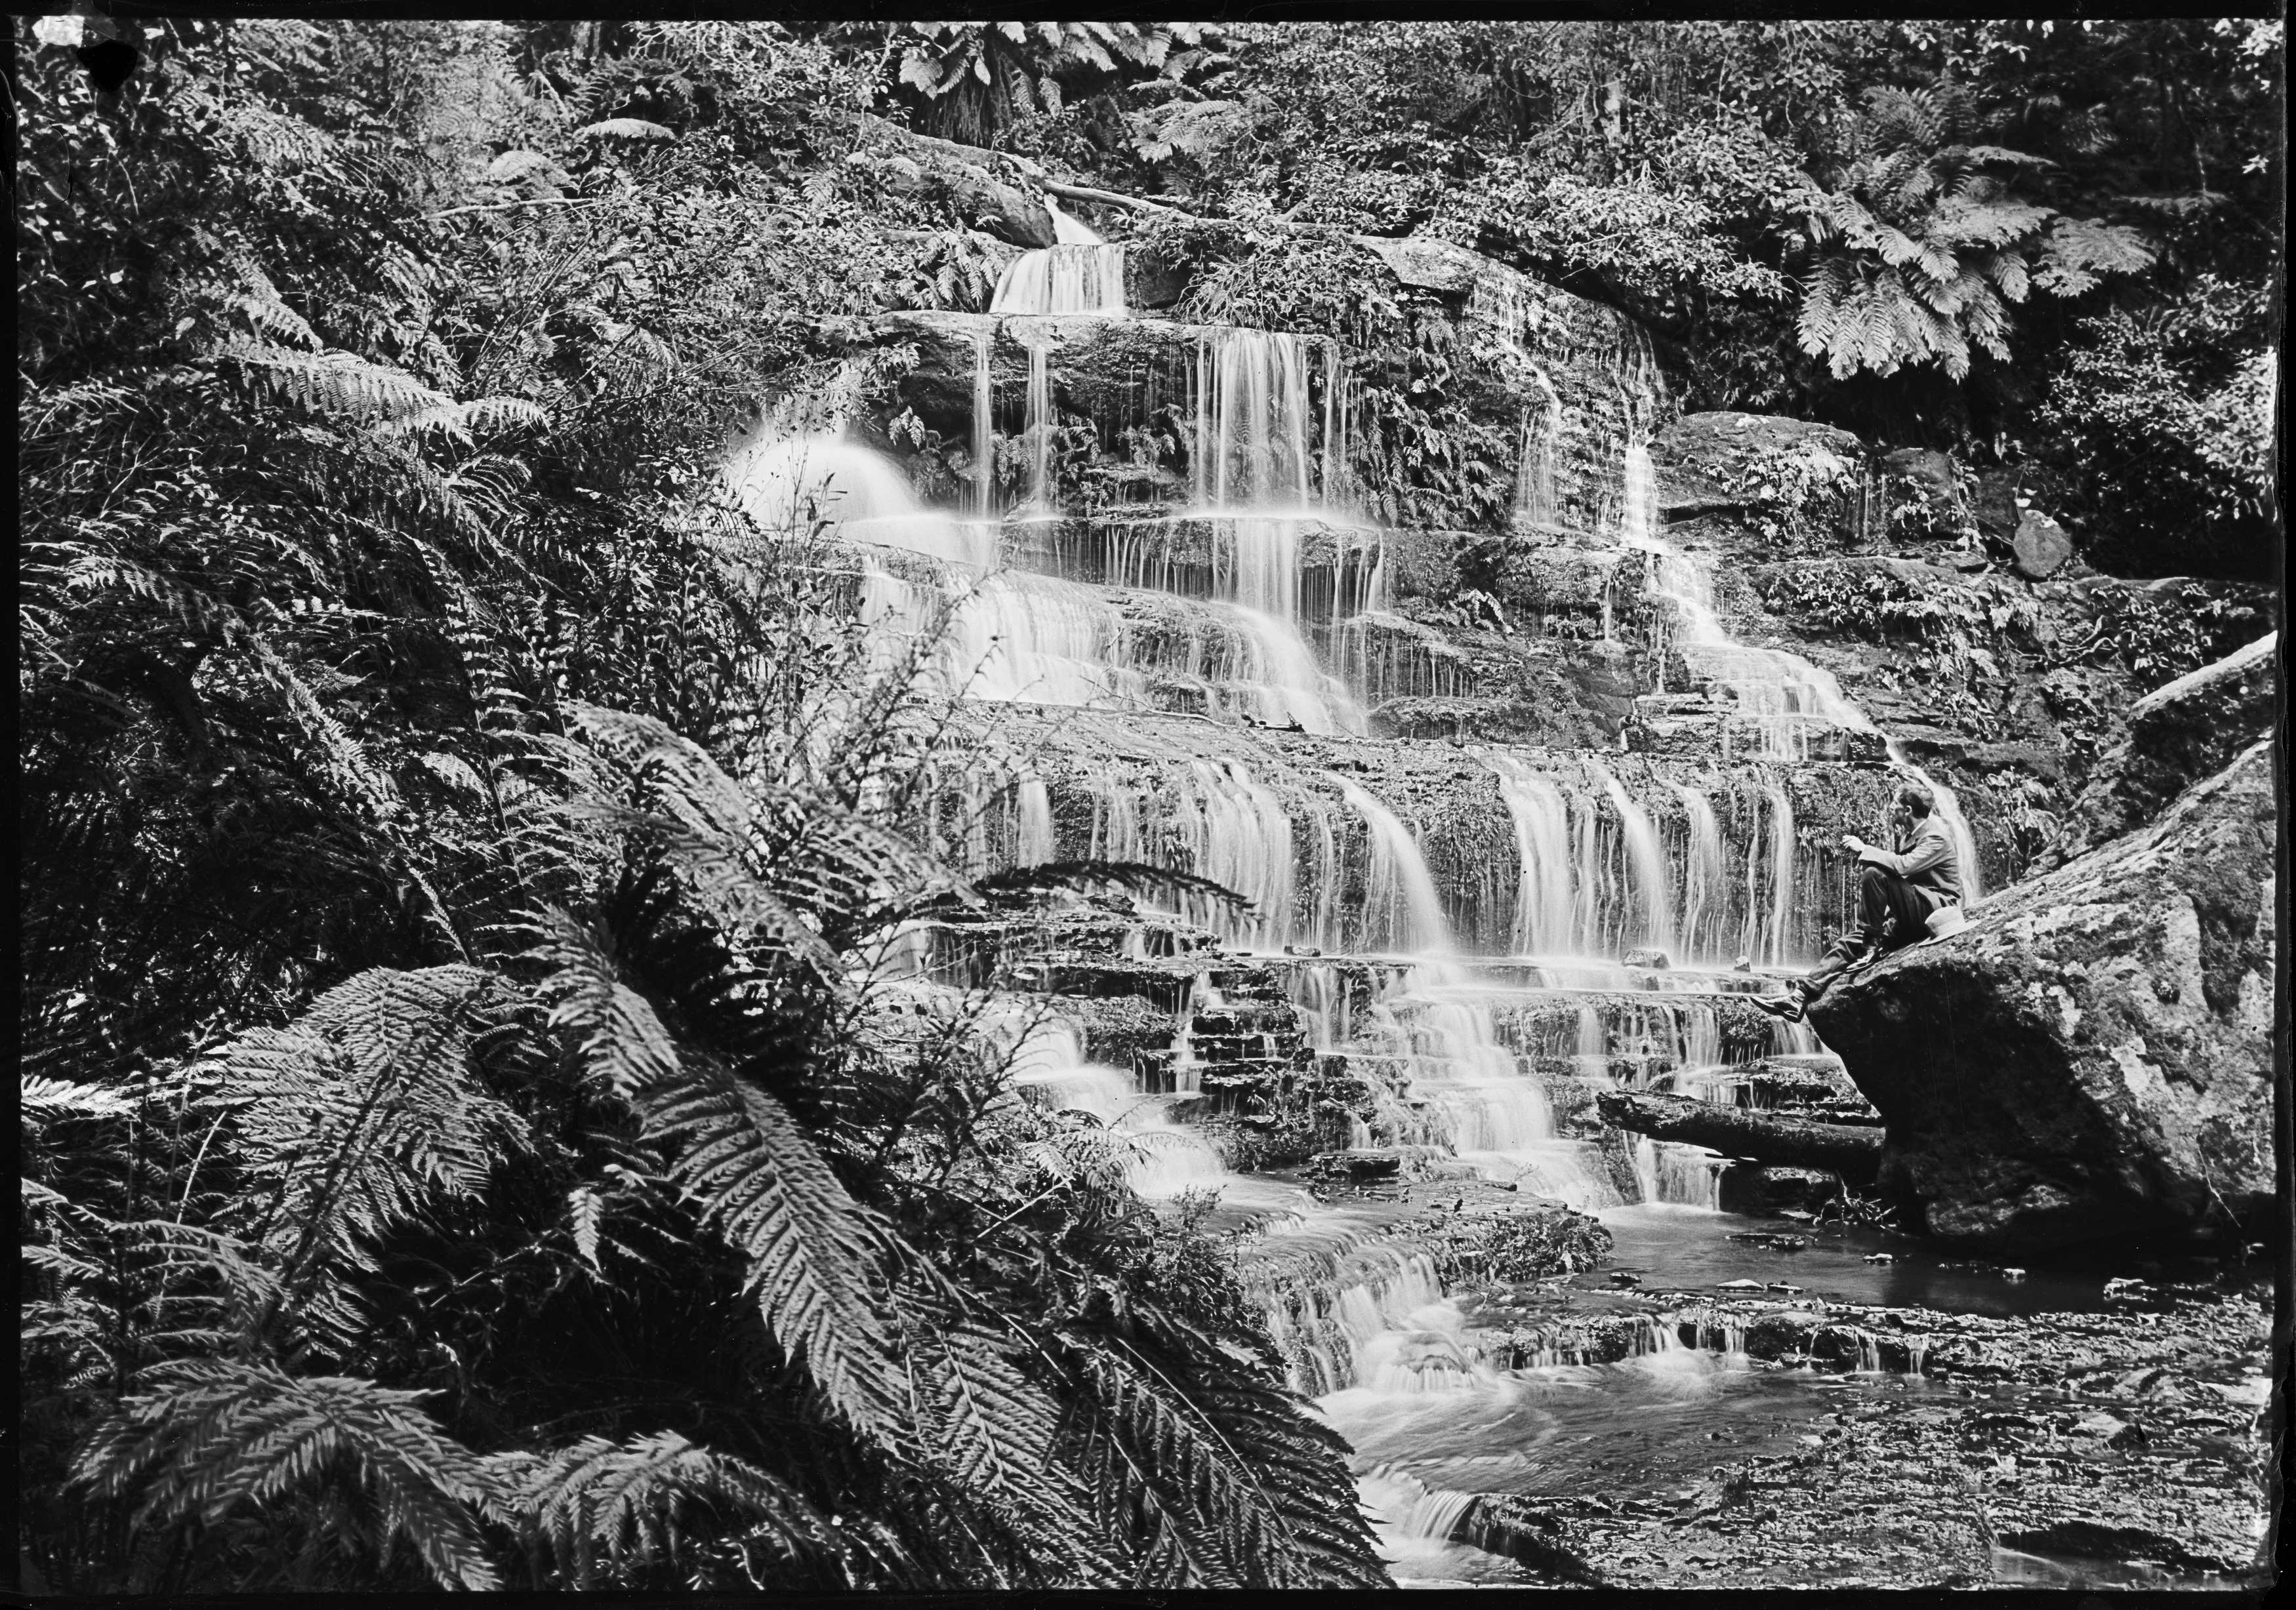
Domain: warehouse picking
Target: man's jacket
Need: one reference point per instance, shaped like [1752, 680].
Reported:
[1927, 862]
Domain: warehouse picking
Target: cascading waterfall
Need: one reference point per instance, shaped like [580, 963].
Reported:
[1045, 1063]
[1253, 409]
[1034, 840]
[1533, 482]
[1017, 637]
[1788, 700]
[984, 435]
[1238, 834]
[1039, 427]
[1592, 1057]
[1020, 637]
[1646, 859]
[1076, 279]
[797, 483]
[1705, 872]
[1338, 397]
[1545, 908]
[1400, 905]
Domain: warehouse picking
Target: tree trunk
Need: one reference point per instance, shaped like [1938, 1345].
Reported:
[1849, 1149]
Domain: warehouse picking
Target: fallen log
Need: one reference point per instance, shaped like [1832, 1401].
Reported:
[962, 174]
[1109, 197]
[1853, 1151]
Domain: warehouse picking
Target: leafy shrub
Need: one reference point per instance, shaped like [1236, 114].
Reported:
[2158, 637]
[1512, 1246]
[2163, 426]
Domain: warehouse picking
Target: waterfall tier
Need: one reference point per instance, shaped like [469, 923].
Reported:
[1528, 853]
[1125, 410]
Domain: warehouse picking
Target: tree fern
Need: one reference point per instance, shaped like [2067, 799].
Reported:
[1910, 227]
[356, 1114]
[814, 1255]
[1212, 1517]
[996, 1434]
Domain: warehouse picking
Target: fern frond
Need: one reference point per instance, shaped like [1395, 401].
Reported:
[816, 1256]
[617, 1035]
[1967, 223]
[1208, 1514]
[623, 128]
[2078, 253]
[334, 385]
[2006, 270]
[356, 1113]
[601, 1504]
[215, 1438]
[995, 1433]
[40, 1098]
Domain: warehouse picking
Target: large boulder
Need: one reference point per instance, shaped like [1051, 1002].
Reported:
[2177, 735]
[2092, 1056]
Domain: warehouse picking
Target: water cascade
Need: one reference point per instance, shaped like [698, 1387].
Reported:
[1066, 278]
[1545, 904]
[1035, 845]
[1790, 702]
[1780, 806]
[1705, 868]
[1534, 481]
[1399, 903]
[1647, 861]
[1038, 430]
[819, 481]
[1210, 614]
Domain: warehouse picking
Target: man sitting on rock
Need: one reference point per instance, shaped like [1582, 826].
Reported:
[1897, 892]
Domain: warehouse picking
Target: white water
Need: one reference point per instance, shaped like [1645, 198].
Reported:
[1545, 907]
[1646, 858]
[1402, 911]
[820, 480]
[1789, 700]
[1078, 279]
[1703, 895]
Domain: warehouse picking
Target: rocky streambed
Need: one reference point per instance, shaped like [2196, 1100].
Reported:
[1722, 1400]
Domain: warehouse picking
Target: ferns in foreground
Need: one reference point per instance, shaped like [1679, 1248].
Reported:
[897, 1395]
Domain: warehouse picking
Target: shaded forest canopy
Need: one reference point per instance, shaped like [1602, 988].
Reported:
[467, 1143]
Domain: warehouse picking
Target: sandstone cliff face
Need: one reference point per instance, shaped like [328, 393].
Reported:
[2092, 1056]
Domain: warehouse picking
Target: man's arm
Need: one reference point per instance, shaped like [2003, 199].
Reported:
[1931, 847]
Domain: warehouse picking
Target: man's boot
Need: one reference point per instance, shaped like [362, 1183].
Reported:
[1849, 956]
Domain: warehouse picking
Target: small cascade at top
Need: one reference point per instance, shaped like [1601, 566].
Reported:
[1080, 273]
